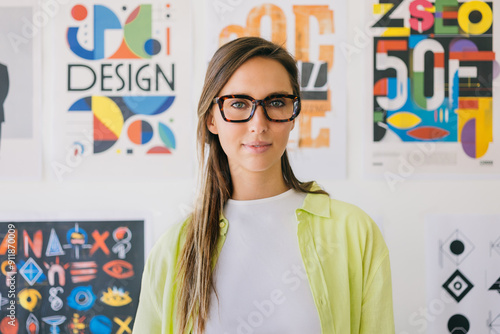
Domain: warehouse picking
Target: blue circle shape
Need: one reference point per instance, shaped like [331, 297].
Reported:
[81, 298]
[152, 47]
[100, 324]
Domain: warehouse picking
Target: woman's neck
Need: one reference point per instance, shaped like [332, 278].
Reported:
[256, 186]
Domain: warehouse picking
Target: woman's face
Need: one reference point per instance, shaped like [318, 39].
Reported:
[255, 146]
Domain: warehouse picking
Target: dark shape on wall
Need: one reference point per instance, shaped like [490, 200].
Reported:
[458, 286]
[496, 286]
[4, 89]
[458, 324]
[457, 247]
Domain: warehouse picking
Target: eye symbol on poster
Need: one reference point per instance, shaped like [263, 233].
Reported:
[116, 297]
[458, 286]
[456, 248]
[122, 235]
[119, 269]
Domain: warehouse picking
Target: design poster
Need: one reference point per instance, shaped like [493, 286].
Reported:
[463, 275]
[20, 95]
[311, 31]
[122, 90]
[70, 277]
[433, 88]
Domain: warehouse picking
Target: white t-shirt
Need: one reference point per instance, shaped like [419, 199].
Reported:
[260, 278]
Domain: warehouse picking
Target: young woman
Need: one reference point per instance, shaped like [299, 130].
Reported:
[262, 252]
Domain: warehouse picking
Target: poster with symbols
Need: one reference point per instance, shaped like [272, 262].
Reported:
[70, 276]
[432, 88]
[463, 275]
[122, 89]
[312, 32]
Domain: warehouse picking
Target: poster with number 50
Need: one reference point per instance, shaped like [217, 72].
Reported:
[433, 86]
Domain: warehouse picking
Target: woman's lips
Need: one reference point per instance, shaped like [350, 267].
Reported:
[257, 147]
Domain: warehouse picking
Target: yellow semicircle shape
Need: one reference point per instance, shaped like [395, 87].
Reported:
[404, 120]
[108, 113]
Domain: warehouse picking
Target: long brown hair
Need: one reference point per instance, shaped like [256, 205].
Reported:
[195, 276]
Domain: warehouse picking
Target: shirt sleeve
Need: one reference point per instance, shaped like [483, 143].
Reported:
[148, 316]
[377, 310]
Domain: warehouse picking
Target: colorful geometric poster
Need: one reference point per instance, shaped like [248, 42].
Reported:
[433, 86]
[20, 91]
[70, 276]
[463, 275]
[311, 31]
[122, 87]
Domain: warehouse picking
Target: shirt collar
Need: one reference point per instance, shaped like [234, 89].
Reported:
[317, 204]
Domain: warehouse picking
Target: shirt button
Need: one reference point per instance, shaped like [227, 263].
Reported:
[222, 224]
[322, 301]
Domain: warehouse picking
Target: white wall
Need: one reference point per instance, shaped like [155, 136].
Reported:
[402, 210]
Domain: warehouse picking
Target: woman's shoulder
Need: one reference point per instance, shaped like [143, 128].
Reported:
[170, 240]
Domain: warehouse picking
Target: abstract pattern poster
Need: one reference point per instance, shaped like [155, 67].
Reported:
[20, 95]
[463, 275]
[311, 31]
[433, 88]
[122, 90]
[70, 276]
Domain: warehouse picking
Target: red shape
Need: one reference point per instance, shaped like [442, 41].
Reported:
[118, 269]
[124, 52]
[134, 132]
[158, 150]
[99, 242]
[35, 244]
[5, 244]
[450, 15]
[468, 104]
[120, 232]
[7, 328]
[133, 15]
[391, 45]
[428, 133]
[168, 41]
[439, 60]
[380, 88]
[102, 132]
[79, 12]
[473, 55]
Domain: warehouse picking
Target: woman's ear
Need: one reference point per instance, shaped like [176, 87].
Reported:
[212, 127]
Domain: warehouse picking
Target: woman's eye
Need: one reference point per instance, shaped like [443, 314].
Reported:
[276, 103]
[238, 105]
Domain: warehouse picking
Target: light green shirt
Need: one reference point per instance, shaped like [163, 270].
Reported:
[344, 254]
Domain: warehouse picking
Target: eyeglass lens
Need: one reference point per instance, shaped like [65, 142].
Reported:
[277, 108]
